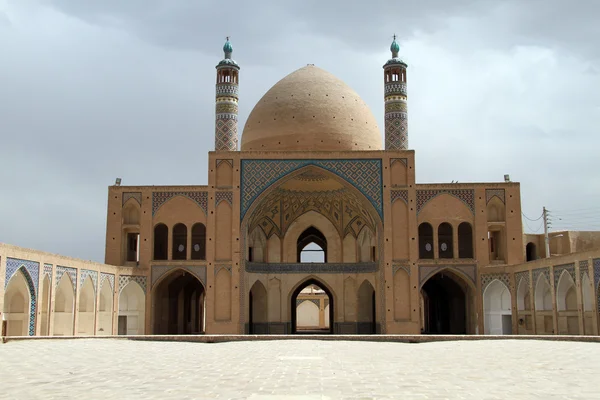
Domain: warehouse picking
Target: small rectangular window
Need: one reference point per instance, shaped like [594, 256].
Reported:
[250, 254]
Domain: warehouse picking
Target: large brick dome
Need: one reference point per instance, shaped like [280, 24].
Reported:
[310, 109]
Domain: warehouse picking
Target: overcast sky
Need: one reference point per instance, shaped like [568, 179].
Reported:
[94, 90]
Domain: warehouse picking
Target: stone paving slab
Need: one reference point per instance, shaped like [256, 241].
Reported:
[298, 369]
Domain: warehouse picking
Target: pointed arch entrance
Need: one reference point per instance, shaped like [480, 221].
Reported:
[179, 304]
[447, 301]
[19, 304]
[310, 318]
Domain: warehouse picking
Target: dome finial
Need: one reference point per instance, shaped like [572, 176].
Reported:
[227, 48]
[394, 48]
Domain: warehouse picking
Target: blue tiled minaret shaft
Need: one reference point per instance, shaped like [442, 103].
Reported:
[396, 115]
[226, 111]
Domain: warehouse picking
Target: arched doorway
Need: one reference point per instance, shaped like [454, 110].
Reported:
[18, 304]
[132, 307]
[497, 306]
[87, 308]
[258, 312]
[531, 252]
[310, 317]
[366, 309]
[179, 305]
[445, 304]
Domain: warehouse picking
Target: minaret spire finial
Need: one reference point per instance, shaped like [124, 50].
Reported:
[394, 48]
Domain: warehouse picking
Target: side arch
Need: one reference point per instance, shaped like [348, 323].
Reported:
[497, 305]
[19, 304]
[296, 291]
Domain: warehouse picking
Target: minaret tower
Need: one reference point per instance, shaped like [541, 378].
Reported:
[226, 115]
[396, 116]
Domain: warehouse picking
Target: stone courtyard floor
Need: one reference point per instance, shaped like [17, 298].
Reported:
[298, 369]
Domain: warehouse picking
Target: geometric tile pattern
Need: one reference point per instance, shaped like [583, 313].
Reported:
[92, 274]
[72, 272]
[363, 174]
[226, 137]
[48, 271]
[226, 106]
[315, 301]
[137, 196]
[125, 279]
[399, 194]
[596, 262]
[160, 198]
[467, 196]
[583, 269]
[539, 271]
[32, 267]
[110, 278]
[523, 275]
[396, 128]
[220, 196]
[558, 270]
[489, 278]
[489, 193]
[30, 270]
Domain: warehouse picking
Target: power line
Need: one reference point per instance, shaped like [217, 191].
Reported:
[532, 220]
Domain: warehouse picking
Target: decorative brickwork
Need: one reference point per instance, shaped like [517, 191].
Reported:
[160, 198]
[558, 270]
[399, 194]
[92, 274]
[522, 276]
[48, 271]
[363, 174]
[490, 193]
[486, 279]
[125, 279]
[223, 196]
[110, 278]
[137, 196]
[539, 271]
[467, 196]
[583, 269]
[72, 272]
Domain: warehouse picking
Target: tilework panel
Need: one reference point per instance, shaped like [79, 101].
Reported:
[364, 174]
[125, 279]
[31, 270]
[137, 196]
[92, 274]
[499, 193]
[396, 126]
[399, 194]
[60, 271]
[467, 196]
[486, 279]
[537, 272]
[160, 198]
[226, 137]
[427, 271]
[398, 267]
[220, 196]
[583, 268]
[32, 267]
[558, 270]
[523, 275]
[311, 268]
[198, 271]
[48, 271]
[110, 278]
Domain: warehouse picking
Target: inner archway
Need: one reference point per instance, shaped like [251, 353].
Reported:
[309, 304]
[179, 305]
[445, 304]
[312, 246]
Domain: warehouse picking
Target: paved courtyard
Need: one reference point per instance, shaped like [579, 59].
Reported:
[298, 369]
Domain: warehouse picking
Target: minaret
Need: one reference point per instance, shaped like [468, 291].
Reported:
[396, 116]
[226, 115]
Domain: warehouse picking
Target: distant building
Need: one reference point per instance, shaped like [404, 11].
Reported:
[311, 173]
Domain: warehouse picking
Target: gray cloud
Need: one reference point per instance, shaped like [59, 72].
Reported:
[96, 90]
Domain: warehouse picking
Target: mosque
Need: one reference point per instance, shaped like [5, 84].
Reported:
[312, 224]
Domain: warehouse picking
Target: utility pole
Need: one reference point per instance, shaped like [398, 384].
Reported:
[546, 238]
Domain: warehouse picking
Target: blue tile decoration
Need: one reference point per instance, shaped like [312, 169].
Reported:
[110, 278]
[125, 279]
[363, 174]
[72, 272]
[92, 274]
[486, 279]
[48, 271]
[30, 270]
[558, 270]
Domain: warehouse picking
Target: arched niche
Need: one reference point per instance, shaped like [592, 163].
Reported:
[495, 210]
[132, 310]
[543, 294]
[87, 308]
[523, 296]
[425, 241]
[258, 309]
[465, 240]
[445, 240]
[199, 241]
[131, 213]
[497, 307]
[223, 231]
[18, 305]
[160, 242]
[257, 245]
[367, 245]
[312, 290]
[320, 223]
[105, 310]
[531, 252]
[366, 313]
[179, 248]
[64, 304]
[566, 293]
